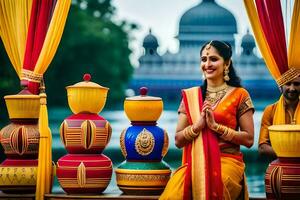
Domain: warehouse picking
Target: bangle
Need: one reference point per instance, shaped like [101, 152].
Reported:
[189, 134]
[225, 132]
[192, 132]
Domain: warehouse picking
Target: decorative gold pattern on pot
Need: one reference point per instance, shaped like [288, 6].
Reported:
[81, 175]
[85, 134]
[166, 144]
[144, 142]
[17, 176]
[122, 143]
[20, 139]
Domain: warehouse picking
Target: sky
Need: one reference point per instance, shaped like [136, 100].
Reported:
[162, 17]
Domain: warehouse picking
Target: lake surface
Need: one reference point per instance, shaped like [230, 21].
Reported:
[255, 165]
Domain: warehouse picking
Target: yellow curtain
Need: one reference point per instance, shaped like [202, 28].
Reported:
[53, 36]
[14, 21]
[294, 47]
[260, 39]
[49, 48]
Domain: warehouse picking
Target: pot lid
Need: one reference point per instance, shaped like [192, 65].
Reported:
[86, 83]
[143, 96]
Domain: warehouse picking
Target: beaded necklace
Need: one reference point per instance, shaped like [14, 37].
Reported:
[215, 94]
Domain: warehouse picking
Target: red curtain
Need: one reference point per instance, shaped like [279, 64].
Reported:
[41, 14]
[271, 19]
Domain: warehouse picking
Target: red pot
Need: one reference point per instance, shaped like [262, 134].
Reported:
[282, 179]
[85, 133]
[83, 173]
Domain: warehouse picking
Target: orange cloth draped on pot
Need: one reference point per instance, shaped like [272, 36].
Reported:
[227, 112]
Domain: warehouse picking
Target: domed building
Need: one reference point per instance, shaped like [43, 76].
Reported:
[165, 75]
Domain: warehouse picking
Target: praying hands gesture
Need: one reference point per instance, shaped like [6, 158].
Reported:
[209, 116]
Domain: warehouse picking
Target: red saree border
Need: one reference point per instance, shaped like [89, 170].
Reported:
[213, 179]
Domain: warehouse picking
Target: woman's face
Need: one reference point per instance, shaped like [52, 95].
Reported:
[212, 64]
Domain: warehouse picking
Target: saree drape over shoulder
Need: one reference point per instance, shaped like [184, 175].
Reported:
[211, 168]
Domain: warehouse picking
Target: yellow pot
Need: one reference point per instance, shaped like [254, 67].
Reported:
[22, 106]
[143, 107]
[285, 140]
[86, 96]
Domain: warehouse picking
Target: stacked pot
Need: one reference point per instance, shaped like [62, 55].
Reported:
[143, 145]
[20, 141]
[282, 178]
[85, 134]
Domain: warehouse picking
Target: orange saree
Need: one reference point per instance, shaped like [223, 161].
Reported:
[212, 168]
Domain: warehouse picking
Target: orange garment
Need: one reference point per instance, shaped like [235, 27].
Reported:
[226, 112]
[268, 119]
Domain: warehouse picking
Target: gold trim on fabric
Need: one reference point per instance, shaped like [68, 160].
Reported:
[198, 162]
[288, 76]
[245, 106]
[31, 76]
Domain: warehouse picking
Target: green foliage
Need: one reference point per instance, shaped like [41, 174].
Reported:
[91, 43]
[9, 82]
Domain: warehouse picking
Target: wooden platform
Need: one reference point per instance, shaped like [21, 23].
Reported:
[87, 197]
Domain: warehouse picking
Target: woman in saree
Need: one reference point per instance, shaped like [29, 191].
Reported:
[214, 120]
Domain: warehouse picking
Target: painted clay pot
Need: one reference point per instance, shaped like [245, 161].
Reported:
[84, 173]
[282, 179]
[85, 133]
[143, 178]
[139, 143]
[20, 139]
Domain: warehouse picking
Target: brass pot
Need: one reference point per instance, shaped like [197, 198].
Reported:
[86, 96]
[285, 140]
[143, 107]
[23, 106]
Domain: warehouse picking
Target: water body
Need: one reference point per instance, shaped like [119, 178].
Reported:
[255, 165]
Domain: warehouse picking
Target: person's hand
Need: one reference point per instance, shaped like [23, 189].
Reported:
[209, 116]
[199, 125]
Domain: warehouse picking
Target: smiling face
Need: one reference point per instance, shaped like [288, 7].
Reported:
[212, 64]
[291, 90]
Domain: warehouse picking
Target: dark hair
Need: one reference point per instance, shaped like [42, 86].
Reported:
[225, 51]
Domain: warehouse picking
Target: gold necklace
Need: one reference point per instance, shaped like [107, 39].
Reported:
[215, 94]
[218, 88]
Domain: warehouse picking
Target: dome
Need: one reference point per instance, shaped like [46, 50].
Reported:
[248, 41]
[206, 17]
[150, 41]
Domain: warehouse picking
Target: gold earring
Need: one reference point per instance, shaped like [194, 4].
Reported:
[226, 72]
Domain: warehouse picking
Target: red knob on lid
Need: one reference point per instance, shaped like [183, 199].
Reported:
[143, 91]
[87, 77]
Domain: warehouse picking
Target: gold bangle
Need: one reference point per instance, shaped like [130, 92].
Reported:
[228, 134]
[186, 134]
[192, 133]
[189, 134]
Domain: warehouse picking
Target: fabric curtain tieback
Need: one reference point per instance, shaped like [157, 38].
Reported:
[31, 76]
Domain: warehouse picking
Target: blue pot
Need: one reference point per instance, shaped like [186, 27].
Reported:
[144, 143]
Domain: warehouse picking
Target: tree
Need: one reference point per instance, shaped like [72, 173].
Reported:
[91, 43]
[9, 82]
